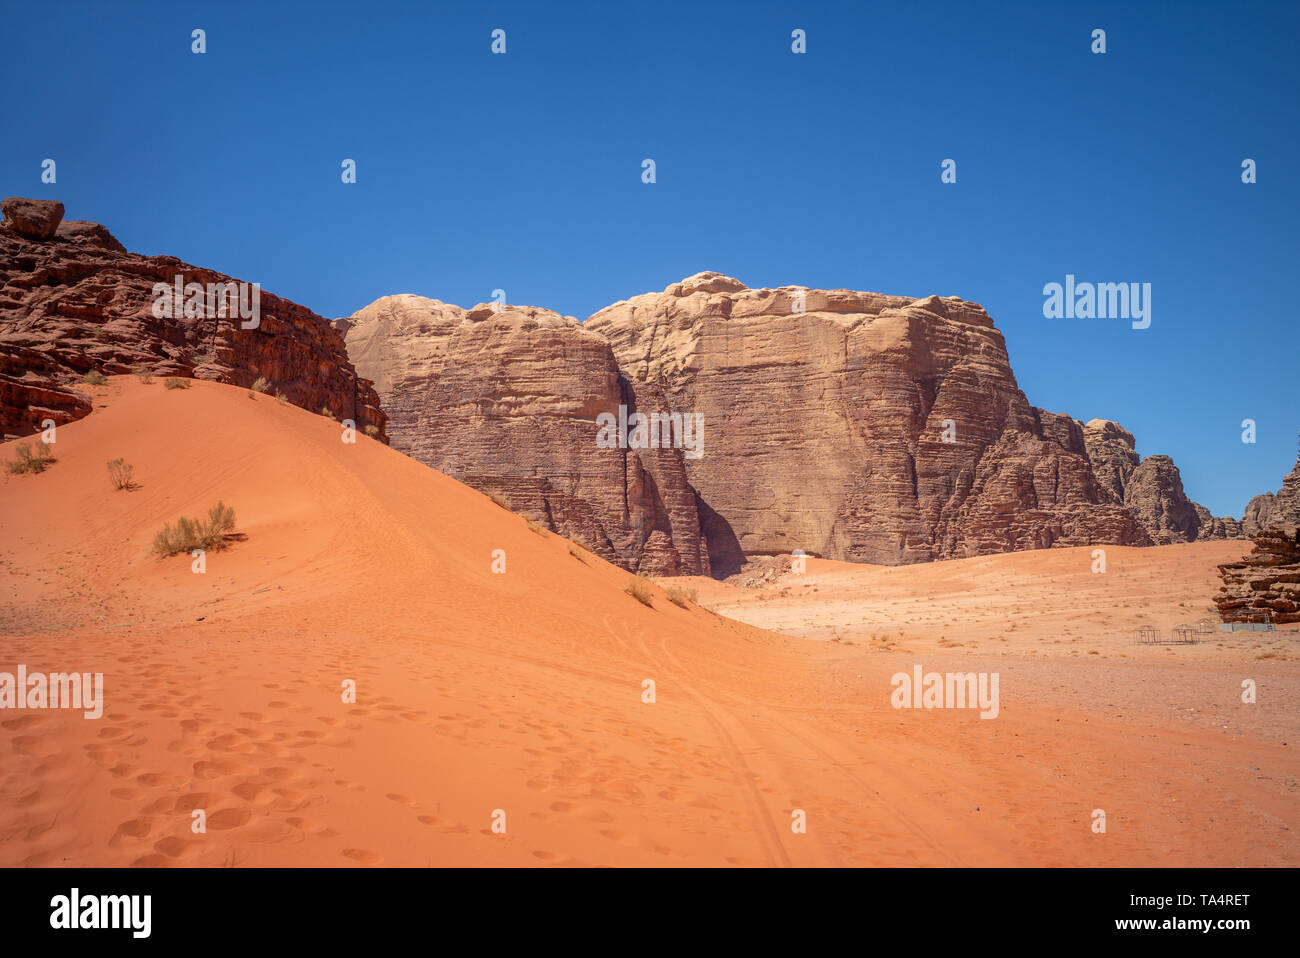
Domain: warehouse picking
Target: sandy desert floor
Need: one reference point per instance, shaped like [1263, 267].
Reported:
[521, 692]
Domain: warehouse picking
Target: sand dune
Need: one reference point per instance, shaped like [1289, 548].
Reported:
[522, 692]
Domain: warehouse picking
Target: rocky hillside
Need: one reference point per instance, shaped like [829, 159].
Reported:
[506, 402]
[73, 300]
[850, 425]
[1265, 585]
[1280, 509]
[1150, 488]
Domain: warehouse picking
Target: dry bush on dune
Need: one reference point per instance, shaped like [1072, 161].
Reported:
[96, 378]
[31, 459]
[175, 382]
[681, 596]
[372, 430]
[260, 385]
[535, 527]
[281, 398]
[639, 592]
[121, 472]
[190, 534]
[143, 373]
[328, 413]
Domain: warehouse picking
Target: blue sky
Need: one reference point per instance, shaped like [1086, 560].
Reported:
[477, 171]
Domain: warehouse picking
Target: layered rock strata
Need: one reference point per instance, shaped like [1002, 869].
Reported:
[73, 300]
[1265, 585]
[850, 425]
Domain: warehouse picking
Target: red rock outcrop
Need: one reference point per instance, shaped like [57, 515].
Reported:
[1150, 488]
[1265, 585]
[507, 402]
[1275, 509]
[77, 301]
[35, 219]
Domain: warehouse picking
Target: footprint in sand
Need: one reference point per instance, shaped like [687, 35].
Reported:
[443, 824]
[228, 818]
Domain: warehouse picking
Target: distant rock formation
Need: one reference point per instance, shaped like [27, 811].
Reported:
[850, 425]
[1150, 488]
[1265, 585]
[507, 401]
[72, 300]
[859, 426]
[1275, 509]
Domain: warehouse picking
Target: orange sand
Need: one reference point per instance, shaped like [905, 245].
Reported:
[522, 692]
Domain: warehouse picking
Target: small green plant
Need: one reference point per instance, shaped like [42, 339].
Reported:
[143, 373]
[176, 382]
[260, 385]
[639, 592]
[120, 472]
[31, 459]
[96, 378]
[190, 534]
[681, 596]
[372, 430]
[202, 360]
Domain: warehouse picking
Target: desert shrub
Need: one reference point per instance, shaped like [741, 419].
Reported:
[96, 378]
[372, 429]
[536, 527]
[202, 360]
[328, 413]
[681, 596]
[31, 459]
[499, 500]
[189, 534]
[639, 592]
[281, 398]
[176, 382]
[143, 373]
[260, 385]
[120, 472]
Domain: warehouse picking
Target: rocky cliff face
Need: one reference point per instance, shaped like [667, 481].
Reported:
[850, 425]
[1150, 488]
[1275, 509]
[72, 300]
[859, 426]
[507, 402]
[1265, 585]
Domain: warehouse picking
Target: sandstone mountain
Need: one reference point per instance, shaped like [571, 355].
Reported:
[506, 402]
[73, 300]
[1150, 488]
[851, 425]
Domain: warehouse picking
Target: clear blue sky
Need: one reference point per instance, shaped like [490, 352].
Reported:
[523, 171]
